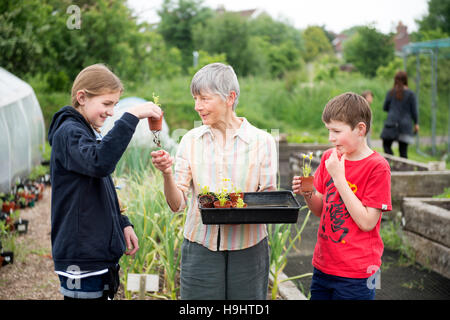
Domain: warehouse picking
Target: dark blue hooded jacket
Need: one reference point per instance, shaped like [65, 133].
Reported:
[87, 227]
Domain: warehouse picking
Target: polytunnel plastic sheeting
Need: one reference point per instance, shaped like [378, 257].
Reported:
[37, 129]
[5, 167]
[12, 88]
[19, 135]
[21, 130]
[142, 137]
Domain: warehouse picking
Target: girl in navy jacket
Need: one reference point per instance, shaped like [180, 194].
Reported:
[89, 234]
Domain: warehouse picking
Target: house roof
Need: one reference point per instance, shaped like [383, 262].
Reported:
[249, 13]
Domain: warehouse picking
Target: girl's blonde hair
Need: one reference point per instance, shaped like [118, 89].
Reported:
[95, 80]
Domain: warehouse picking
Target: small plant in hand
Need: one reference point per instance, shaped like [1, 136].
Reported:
[156, 124]
[307, 179]
[306, 168]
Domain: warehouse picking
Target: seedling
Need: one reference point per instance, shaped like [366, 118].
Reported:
[156, 125]
[307, 167]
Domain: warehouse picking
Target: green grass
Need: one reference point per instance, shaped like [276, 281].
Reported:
[445, 194]
[266, 103]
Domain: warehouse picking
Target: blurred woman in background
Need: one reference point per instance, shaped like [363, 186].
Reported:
[401, 105]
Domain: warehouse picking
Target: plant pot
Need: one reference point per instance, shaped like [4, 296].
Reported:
[235, 196]
[22, 203]
[226, 205]
[21, 194]
[8, 257]
[234, 205]
[47, 180]
[307, 184]
[7, 207]
[156, 124]
[9, 224]
[206, 201]
[21, 226]
[263, 207]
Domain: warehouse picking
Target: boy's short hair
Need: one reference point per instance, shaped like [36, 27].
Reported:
[216, 78]
[350, 108]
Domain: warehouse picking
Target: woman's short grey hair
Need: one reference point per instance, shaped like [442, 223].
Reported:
[216, 78]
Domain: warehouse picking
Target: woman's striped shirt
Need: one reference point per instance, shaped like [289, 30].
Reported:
[249, 160]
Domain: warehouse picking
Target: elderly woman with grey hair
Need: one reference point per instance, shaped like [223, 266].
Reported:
[220, 261]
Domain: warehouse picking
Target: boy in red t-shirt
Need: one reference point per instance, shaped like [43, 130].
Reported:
[353, 188]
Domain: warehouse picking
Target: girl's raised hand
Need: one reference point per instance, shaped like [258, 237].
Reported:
[146, 110]
[162, 161]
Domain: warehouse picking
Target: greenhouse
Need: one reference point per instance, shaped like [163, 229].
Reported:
[22, 130]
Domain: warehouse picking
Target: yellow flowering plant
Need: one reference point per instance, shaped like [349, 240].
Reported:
[240, 203]
[223, 196]
[307, 166]
[204, 190]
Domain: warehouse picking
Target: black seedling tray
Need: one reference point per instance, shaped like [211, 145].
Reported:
[262, 207]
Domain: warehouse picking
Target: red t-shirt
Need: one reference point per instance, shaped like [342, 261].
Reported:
[342, 248]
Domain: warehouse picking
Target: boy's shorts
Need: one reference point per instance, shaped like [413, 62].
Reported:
[102, 284]
[85, 288]
[328, 287]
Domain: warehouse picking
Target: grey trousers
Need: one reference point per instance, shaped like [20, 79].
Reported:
[224, 275]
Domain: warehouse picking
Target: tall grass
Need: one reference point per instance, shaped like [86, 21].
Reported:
[281, 243]
[158, 229]
[267, 103]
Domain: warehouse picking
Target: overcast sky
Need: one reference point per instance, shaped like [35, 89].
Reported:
[336, 15]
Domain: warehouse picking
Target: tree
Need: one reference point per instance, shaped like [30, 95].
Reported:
[36, 38]
[368, 49]
[225, 33]
[177, 22]
[23, 24]
[282, 58]
[252, 47]
[316, 42]
[275, 32]
[438, 17]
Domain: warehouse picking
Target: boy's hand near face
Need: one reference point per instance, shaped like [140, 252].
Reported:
[335, 165]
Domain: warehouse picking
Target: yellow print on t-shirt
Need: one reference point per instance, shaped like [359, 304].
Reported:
[352, 186]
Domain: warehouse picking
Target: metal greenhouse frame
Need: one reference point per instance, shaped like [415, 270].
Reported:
[432, 48]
